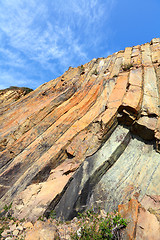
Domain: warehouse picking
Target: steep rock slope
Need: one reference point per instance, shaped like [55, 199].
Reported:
[88, 138]
[12, 94]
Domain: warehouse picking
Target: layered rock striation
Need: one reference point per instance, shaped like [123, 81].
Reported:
[88, 138]
[12, 94]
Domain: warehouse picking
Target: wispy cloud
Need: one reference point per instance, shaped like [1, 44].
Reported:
[11, 58]
[50, 35]
[15, 79]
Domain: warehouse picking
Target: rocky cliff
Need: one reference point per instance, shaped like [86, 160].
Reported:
[90, 138]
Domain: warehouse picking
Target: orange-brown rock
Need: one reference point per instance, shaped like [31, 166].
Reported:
[152, 204]
[148, 226]
[12, 94]
[42, 231]
[84, 139]
[141, 224]
[130, 212]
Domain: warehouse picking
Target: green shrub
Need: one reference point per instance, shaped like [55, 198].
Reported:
[95, 72]
[52, 214]
[26, 90]
[41, 218]
[95, 227]
[7, 208]
[1, 231]
[82, 70]
[126, 67]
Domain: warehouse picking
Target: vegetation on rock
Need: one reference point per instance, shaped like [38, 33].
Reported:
[95, 72]
[89, 225]
[82, 70]
[126, 67]
[95, 226]
[26, 90]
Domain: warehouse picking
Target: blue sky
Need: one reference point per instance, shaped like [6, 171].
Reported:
[40, 39]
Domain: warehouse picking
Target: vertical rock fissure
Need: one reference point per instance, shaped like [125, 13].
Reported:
[90, 173]
[94, 179]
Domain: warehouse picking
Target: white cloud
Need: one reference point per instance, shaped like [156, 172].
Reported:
[16, 79]
[11, 58]
[50, 33]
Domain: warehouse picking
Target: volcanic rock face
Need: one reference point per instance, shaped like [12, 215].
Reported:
[12, 94]
[88, 138]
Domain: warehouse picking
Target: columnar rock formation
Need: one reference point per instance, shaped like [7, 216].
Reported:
[12, 94]
[88, 138]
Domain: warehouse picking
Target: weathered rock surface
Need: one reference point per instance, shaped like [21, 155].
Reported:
[12, 94]
[141, 223]
[88, 138]
[43, 231]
